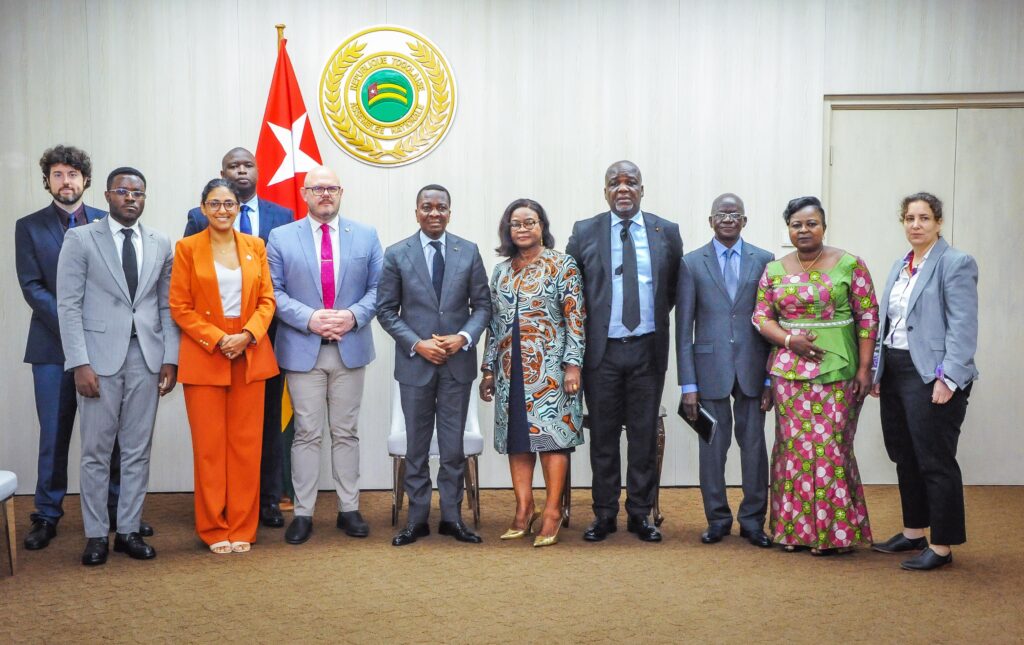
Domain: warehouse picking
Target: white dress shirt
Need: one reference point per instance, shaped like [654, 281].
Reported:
[115, 230]
[332, 227]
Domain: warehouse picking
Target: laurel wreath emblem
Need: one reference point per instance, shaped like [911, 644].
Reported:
[438, 110]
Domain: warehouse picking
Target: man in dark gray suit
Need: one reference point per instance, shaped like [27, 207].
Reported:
[434, 300]
[720, 354]
[630, 262]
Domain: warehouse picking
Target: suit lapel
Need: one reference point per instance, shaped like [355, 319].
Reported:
[414, 252]
[149, 247]
[108, 250]
[746, 269]
[452, 262]
[247, 261]
[308, 246]
[926, 272]
[714, 269]
[345, 242]
[202, 265]
[653, 247]
[604, 245]
[52, 224]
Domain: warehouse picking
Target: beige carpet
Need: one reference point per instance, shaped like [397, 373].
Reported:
[341, 590]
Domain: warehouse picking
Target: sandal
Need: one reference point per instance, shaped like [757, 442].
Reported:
[221, 548]
[821, 553]
[240, 547]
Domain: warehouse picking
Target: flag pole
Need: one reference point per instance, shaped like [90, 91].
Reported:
[280, 33]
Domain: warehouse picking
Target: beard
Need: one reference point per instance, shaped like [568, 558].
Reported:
[66, 199]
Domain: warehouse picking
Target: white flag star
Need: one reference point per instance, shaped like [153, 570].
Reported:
[295, 160]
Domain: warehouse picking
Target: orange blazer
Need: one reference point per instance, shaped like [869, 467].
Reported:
[196, 308]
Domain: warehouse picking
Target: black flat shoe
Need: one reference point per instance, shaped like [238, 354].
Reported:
[927, 560]
[95, 552]
[757, 537]
[353, 524]
[410, 534]
[643, 529]
[600, 529]
[134, 546]
[459, 531]
[40, 534]
[271, 517]
[299, 530]
[900, 543]
[714, 533]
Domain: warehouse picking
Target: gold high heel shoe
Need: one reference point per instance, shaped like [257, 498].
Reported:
[548, 540]
[514, 534]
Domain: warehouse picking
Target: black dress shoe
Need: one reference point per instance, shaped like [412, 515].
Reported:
[715, 533]
[900, 543]
[410, 534]
[459, 531]
[643, 529]
[270, 516]
[134, 546]
[927, 560]
[600, 529]
[353, 524]
[40, 534]
[299, 530]
[95, 552]
[757, 537]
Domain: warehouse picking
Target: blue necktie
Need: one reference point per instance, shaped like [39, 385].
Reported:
[244, 223]
[437, 272]
[731, 275]
[72, 220]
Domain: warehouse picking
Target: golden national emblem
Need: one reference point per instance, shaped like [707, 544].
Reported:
[387, 96]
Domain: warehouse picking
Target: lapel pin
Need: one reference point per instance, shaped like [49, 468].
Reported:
[347, 229]
[657, 229]
[248, 257]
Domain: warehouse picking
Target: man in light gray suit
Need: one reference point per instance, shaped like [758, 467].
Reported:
[113, 280]
[434, 300]
[325, 270]
[720, 354]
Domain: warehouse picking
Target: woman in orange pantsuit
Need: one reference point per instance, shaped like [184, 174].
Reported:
[223, 300]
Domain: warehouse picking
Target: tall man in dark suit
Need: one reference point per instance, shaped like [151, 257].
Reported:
[257, 217]
[113, 280]
[67, 172]
[630, 262]
[434, 300]
[720, 354]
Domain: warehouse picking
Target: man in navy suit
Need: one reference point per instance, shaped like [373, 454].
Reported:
[257, 217]
[67, 172]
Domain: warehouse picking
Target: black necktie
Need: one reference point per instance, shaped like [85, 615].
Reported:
[130, 262]
[437, 272]
[630, 281]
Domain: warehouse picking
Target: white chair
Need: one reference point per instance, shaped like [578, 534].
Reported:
[9, 484]
[472, 446]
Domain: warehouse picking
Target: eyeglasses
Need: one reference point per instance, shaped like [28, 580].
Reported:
[216, 205]
[333, 191]
[526, 224]
[124, 192]
[441, 209]
[721, 217]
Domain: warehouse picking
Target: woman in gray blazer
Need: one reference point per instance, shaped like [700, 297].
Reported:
[924, 372]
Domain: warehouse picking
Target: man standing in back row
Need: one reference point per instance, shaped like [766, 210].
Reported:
[257, 217]
[720, 354]
[630, 262]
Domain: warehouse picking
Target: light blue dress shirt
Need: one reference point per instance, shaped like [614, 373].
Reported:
[720, 250]
[254, 215]
[644, 273]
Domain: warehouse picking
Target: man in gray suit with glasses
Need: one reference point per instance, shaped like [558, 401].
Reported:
[721, 355]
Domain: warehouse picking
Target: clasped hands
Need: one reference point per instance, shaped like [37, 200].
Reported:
[232, 345]
[437, 348]
[332, 324]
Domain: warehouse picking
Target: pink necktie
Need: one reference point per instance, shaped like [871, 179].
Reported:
[327, 266]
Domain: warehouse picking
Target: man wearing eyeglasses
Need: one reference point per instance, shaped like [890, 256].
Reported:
[629, 260]
[257, 217]
[434, 300]
[325, 270]
[113, 279]
[721, 355]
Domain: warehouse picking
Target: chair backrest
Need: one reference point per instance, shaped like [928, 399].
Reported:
[397, 435]
[8, 484]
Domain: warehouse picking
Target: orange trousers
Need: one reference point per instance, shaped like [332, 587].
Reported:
[227, 441]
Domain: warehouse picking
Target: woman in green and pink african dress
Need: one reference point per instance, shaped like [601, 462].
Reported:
[817, 307]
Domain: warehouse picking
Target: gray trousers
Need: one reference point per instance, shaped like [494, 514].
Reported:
[749, 429]
[125, 410]
[444, 402]
[328, 396]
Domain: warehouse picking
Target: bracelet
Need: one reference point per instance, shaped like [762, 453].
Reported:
[788, 336]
